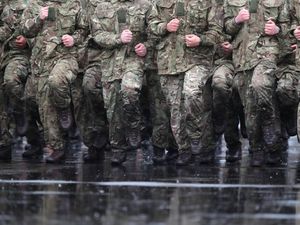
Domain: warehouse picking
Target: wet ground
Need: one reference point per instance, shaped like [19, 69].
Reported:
[139, 193]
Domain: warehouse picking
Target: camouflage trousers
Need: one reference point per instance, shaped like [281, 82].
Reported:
[287, 86]
[226, 103]
[15, 75]
[198, 104]
[34, 131]
[288, 97]
[257, 91]
[6, 137]
[172, 89]
[53, 91]
[89, 108]
[122, 103]
[162, 136]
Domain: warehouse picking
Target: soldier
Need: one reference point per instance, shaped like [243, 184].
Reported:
[119, 27]
[225, 102]
[6, 136]
[92, 119]
[59, 27]
[188, 31]
[16, 67]
[287, 73]
[256, 27]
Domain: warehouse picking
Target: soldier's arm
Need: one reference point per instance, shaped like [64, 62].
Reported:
[102, 36]
[5, 27]
[31, 23]
[151, 38]
[284, 20]
[231, 27]
[215, 23]
[5, 33]
[81, 27]
[157, 25]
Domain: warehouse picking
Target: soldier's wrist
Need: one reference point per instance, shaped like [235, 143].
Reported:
[235, 23]
[118, 40]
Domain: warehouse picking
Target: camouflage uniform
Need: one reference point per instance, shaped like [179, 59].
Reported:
[255, 56]
[287, 74]
[185, 72]
[54, 66]
[16, 60]
[225, 102]
[92, 116]
[6, 136]
[122, 69]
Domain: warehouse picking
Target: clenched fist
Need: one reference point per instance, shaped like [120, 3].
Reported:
[243, 16]
[294, 47]
[297, 33]
[227, 47]
[44, 13]
[21, 42]
[140, 50]
[173, 25]
[192, 40]
[126, 36]
[271, 28]
[68, 40]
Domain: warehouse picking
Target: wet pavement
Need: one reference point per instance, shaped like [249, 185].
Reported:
[139, 193]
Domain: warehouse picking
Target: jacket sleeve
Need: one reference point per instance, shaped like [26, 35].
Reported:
[157, 24]
[231, 27]
[103, 34]
[82, 27]
[31, 23]
[215, 23]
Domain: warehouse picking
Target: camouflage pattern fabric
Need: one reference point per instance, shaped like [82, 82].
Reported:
[93, 125]
[198, 105]
[198, 17]
[257, 91]
[255, 56]
[225, 102]
[15, 61]
[122, 70]
[56, 70]
[250, 45]
[202, 18]
[172, 88]
[162, 135]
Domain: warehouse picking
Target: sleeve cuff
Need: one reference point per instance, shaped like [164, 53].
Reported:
[162, 28]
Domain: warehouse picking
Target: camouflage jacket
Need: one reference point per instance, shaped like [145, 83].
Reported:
[108, 22]
[68, 18]
[10, 29]
[250, 44]
[199, 17]
[2, 5]
[294, 8]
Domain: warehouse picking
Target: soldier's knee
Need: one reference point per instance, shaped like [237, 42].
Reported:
[219, 85]
[88, 86]
[287, 94]
[130, 95]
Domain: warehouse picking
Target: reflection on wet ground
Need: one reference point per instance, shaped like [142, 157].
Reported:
[139, 193]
